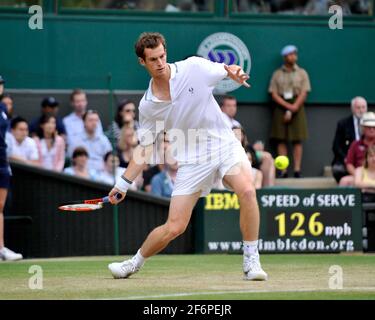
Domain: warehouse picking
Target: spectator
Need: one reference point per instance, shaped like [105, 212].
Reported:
[51, 147]
[79, 166]
[5, 253]
[364, 176]
[2, 81]
[50, 106]
[289, 87]
[96, 144]
[256, 173]
[229, 109]
[126, 145]
[20, 147]
[162, 145]
[357, 149]
[125, 116]
[112, 171]
[162, 183]
[347, 131]
[263, 160]
[73, 122]
[7, 100]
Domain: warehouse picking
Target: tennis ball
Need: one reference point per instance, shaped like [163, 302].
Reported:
[281, 162]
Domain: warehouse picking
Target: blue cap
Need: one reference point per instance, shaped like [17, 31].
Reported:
[1, 79]
[288, 49]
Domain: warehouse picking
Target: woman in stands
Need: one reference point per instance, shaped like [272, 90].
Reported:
[79, 166]
[5, 253]
[364, 177]
[51, 147]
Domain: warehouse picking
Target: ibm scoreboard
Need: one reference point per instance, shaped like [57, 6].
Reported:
[292, 220]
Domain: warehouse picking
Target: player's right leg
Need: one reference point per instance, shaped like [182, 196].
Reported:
[179, 215]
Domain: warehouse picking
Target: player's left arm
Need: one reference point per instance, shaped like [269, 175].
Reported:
[236, 73]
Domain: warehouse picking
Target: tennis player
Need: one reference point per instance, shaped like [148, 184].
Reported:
[180, 97]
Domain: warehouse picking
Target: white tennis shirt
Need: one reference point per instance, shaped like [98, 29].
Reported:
[195, 124]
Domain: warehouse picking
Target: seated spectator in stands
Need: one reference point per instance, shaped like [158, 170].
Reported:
[20, 147]
[73, 122]
[256, 173]
[229, 108]
[364, 176]
[125, 116]
[79, 166]
[162, 145]
[357, 150]
[7, 100]
[51, 146]
[50, 106]
[264, 161]
[112, 171]
[347, 131]
[96, 144]
[126, 145]
[162, 184]
[321, 7]
[260, 159]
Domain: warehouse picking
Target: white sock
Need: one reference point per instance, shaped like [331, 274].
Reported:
[250, 247]
[138, 260]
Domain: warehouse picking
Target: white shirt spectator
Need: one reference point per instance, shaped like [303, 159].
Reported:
[27, 149]
[231, 122]
[108, 178]
[74, 125]
[96, 147]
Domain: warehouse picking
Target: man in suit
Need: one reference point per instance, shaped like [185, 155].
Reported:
[347, 131]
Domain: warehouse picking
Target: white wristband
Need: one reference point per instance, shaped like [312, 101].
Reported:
[123, 185]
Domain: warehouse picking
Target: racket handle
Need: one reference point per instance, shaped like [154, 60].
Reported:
[117, 195]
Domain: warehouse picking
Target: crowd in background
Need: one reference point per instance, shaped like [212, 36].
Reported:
[302, 7]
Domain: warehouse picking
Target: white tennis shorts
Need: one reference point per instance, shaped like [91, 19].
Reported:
[192, 178]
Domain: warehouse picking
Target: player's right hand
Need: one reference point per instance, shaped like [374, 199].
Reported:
[113, 199]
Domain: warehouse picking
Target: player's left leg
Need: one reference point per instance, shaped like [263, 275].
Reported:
[239, 179]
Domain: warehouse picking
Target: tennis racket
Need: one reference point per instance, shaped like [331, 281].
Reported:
[86, 205]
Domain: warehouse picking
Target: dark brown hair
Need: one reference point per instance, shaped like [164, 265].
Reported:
[76, 92]
[149, 40]
[227, 97]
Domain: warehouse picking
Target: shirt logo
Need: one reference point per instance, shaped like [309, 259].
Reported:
[191, 90]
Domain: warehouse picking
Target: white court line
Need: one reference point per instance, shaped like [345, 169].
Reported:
[187, 294]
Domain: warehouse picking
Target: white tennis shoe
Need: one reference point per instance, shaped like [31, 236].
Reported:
[9, 255]
[122, 270]
[253, 269]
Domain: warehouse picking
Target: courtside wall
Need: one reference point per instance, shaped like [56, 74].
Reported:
[81, 50]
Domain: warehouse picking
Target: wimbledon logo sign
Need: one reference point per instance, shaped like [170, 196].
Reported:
[226, 48]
